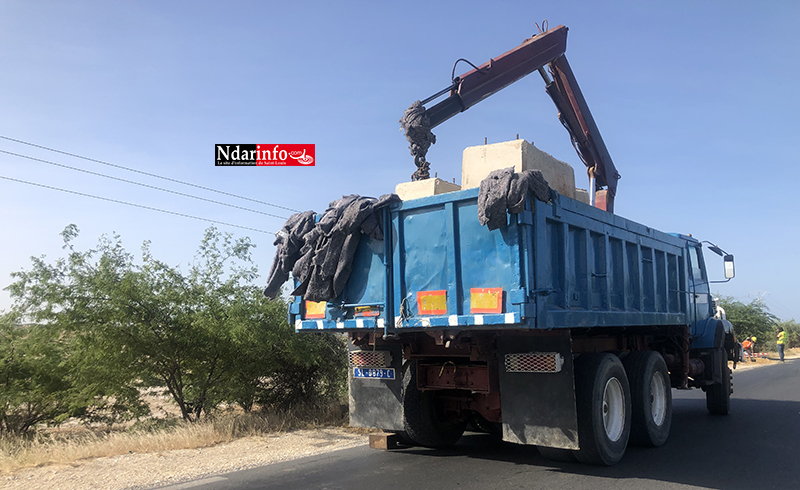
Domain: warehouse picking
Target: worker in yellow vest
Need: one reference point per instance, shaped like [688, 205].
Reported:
[781, 342]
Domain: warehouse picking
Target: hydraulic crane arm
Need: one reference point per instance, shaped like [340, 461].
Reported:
[545, 49]
[498, 73]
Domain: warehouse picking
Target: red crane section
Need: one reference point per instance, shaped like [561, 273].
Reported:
[545, 49]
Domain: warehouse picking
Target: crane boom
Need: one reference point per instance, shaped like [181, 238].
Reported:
[545, 49]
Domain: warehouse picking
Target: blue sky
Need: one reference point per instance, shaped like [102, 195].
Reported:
[696, 101]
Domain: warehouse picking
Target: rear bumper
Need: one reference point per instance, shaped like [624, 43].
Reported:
[448, 321]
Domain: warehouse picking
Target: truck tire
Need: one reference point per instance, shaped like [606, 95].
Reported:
[718, 395]
[424, 422]
[603, 402]
[480, 424]
[651, 398]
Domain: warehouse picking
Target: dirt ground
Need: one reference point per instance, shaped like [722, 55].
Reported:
[138, 471]
[761, 361]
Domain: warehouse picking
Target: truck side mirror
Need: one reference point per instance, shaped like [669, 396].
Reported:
[729, 272]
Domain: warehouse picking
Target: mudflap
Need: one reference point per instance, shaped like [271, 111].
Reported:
[376, 398]
[538, 403]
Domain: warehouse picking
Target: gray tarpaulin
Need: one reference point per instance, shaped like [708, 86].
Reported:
[320, 256]
[504, 191]
[289, 242]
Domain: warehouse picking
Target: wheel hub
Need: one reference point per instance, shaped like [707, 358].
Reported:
[613, 409]
[658, 399]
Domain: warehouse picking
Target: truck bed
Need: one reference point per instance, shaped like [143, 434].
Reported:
[555, 265]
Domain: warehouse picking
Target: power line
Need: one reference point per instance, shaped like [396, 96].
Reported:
[146, 173]
[782, 307]
[134, 205]
[138, 183]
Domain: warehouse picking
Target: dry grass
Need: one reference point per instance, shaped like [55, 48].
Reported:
[59, 448]
[66, 446]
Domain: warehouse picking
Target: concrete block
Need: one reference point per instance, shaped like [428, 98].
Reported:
[479, 161]
[424, 188]
[582, 195]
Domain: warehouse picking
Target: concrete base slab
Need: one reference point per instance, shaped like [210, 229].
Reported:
[424, 188]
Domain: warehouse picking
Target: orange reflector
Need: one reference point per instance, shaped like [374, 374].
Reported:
[367, 311]
[432, 302]
[315, 309]
[486, 300]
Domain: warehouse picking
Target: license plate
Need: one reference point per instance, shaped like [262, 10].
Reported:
[378, 373]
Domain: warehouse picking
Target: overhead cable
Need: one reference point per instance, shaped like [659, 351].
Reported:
[138, 183]
[146, 173]
[134, 205]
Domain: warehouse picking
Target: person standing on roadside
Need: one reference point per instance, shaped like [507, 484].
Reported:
[781, 342]
[747, 349]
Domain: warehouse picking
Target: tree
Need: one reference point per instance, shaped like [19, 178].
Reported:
[41, 380]
[32, 387]
[281, 369]
[206, 336]
[753, 319]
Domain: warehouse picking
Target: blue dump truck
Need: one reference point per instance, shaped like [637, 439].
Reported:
[566, 327]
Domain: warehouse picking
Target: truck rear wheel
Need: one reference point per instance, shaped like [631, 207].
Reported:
[480, 424]
[424, 419]
[718, 395]
[603, 401]
[651, 398]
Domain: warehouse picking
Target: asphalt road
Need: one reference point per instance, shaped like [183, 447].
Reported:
[757, 447]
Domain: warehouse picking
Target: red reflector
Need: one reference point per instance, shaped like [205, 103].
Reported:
[486, 300]
[432, 302]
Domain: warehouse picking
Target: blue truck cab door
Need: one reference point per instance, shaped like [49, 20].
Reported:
[700, 297]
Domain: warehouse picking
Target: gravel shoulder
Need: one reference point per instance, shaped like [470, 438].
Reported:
[140, 471]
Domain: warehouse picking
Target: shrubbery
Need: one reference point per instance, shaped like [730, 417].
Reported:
[755, 319]
[89, 331]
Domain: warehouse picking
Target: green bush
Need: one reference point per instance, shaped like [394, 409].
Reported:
[104, 326]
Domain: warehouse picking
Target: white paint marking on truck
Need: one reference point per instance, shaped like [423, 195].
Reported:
[319, 325]
[509, 318]
[196, 483]
[478, 319]
[381, 323]
[298, 324]
[339, 324]
[425, 322]
[452, 320]
[360, 323]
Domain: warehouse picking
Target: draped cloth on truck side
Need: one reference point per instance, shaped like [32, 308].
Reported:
[320, 255]
[504, 191]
